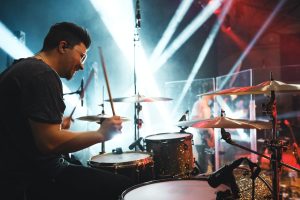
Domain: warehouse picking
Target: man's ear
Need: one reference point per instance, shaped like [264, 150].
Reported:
[63, 45]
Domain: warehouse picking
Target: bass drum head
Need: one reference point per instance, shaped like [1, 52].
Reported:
[173, 189]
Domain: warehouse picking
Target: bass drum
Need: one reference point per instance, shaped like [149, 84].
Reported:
[172, 154]
[136, 165]
[263, 184]
[173, 189]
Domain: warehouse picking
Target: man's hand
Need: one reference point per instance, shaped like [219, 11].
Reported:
[110, 127]
[66, 122]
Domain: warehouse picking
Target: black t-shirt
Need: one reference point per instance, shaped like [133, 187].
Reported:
[29, 89]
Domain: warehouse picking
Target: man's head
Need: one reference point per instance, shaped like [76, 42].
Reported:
[66, 31]
[69, 42]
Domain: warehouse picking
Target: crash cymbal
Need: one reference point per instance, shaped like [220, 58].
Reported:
[225, 122]
[262, 88]
[98, 118]
[139, 99]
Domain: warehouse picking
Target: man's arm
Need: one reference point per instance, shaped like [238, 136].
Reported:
[50, 138]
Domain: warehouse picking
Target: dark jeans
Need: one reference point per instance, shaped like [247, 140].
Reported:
[80, 182]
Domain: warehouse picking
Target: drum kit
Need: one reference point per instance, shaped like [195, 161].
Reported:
[165, 162]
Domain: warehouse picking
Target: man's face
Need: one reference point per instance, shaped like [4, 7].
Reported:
[73, 61]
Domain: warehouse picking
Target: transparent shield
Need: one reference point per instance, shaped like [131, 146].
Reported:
[236, 107]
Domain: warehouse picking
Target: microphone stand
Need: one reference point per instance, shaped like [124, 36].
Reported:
[137, 105]
[78, 91]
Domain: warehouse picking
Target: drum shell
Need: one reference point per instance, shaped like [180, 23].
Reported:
[138, 166]
[172, 154]
[243, 180]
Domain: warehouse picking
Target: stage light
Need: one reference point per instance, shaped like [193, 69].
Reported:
[171, 28]
[202, 55]
[187, 32]
[253, 41]
[11, 45]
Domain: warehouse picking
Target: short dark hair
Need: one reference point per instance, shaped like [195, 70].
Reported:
[66, 31]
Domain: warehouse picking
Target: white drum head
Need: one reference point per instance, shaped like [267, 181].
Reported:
[174, 190]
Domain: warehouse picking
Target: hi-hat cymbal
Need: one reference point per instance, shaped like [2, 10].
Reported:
[225, 122]
[98, 118]
[262, 88]
[139, 99]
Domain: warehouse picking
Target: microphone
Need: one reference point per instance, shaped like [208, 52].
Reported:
[225, 176]
[81, 92]
[138, 14]
[137, 143]
[184, 117]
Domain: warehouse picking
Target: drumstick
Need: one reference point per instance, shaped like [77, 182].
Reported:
[72, 113]
[106, 80]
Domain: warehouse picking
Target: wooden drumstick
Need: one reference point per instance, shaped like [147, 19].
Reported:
[108, 91]
[106, 80]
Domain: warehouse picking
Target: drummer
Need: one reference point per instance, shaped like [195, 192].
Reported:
[33, 135]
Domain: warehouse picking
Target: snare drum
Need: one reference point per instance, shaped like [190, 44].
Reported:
[173, 189]
[136, 165]
[172, 154]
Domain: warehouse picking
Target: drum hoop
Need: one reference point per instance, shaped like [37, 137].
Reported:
[159, 181]
[139, 162]
[186, 137]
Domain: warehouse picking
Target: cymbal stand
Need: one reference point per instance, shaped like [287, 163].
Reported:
[103, 113]
[137, 105]
[275, 146]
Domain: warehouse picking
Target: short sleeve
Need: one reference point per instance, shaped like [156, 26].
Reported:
[43, 99]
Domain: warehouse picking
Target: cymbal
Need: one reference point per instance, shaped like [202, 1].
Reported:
[226, 122]
[262, 88]
[139, 99]
[98, 118]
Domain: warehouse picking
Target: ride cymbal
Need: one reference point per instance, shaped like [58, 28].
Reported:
[225, 122]
[139, 99]
[262, 88]
[98, 118]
